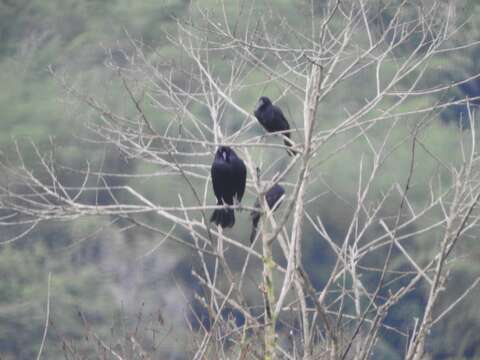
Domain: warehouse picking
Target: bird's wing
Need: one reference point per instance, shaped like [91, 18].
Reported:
[281, 121]
[265, 116]
[273, 195]
[239, 172]
[221, 180]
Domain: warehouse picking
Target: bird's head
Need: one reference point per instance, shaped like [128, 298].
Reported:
[263, 101]
[224, 153]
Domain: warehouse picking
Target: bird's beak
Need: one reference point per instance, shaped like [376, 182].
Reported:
[259, 105]
[224, 155]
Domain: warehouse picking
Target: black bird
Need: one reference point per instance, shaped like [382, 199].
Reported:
[272, 196]
[273, 120]
[229, 175]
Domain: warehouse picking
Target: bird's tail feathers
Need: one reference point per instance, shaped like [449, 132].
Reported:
[255, 219]
[223, 217]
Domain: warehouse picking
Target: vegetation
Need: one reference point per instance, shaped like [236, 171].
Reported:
[131, 282]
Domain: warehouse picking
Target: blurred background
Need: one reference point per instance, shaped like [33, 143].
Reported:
[105, 274]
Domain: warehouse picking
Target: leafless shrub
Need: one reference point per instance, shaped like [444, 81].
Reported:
[224, 56]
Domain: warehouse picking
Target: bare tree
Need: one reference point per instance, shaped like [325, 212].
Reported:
[225, 58]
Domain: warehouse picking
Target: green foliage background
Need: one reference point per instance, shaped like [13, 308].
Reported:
[105, 274]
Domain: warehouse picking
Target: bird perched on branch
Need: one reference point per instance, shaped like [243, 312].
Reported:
[229, 175]
[272, 196]
[272, 119]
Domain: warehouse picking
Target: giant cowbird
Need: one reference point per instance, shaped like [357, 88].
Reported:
[273, 120]
[272, 196]
[229, 175]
